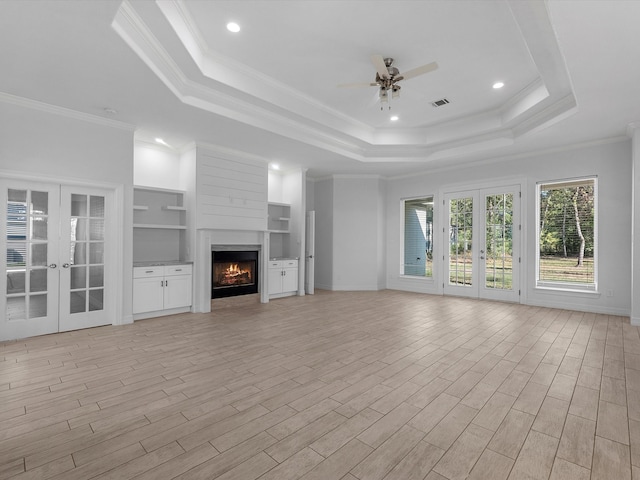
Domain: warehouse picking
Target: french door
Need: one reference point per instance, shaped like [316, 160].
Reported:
[483, 238]
[58, 258]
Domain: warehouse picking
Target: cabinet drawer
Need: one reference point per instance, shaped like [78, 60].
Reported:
[289, 263]
[275, 264]
[141, 272]
[177, 270]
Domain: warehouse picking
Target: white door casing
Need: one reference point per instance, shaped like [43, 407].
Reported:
[310, 253]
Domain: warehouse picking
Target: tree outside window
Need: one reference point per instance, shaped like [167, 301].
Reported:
[567, 234]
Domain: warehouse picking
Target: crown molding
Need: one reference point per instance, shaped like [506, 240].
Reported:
[64, 112]
[235, 91]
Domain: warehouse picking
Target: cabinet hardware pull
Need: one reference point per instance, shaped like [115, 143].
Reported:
[148, 271]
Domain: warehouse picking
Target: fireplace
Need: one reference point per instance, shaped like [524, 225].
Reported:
[233, 273]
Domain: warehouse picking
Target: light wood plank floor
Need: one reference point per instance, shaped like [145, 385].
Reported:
[358, 385]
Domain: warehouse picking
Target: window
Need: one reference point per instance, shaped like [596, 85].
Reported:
[567, 236]
[418, 237]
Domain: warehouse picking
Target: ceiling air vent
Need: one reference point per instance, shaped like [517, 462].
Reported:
[440, 103]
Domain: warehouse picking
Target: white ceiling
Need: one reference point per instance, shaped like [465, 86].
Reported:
[172, 69]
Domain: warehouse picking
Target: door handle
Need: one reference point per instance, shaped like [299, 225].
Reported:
[65, 265]
[52, 265]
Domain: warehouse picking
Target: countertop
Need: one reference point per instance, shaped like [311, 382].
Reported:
[160, 263]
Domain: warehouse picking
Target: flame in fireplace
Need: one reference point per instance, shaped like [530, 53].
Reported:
[232, 273]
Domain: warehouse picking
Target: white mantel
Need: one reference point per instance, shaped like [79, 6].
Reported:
[206, 241]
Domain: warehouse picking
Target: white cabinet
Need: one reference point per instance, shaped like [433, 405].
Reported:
[283, 277]
[161, 289]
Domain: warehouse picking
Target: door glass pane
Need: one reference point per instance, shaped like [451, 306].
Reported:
[96, 276]
[78, 277]
[38, 254]
[39, 228]
[15, 281]
[16, 308]
[38, 280]
[16, 254]
[78, 253]
[37, 306]
[96, 253]
[96, 300]
[40, 203]
[78, 229]
[77, 302]
[78, 205]
[97, 207]
[499, 241]
[96, 230]
[460, 241]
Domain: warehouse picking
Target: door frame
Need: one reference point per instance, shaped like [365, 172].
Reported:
[122, 203]
[496, 184]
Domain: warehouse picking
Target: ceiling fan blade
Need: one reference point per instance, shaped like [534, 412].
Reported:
[358, 84]
[381, 67]
[429, 67]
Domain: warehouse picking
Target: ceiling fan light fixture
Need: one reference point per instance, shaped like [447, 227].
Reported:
[395, 91]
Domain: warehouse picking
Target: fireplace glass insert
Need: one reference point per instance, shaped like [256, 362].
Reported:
[234, 273]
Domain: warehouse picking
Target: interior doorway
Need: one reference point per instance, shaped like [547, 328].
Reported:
[58, 267]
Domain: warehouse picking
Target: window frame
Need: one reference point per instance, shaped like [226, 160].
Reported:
[402, 265]
[559, 285]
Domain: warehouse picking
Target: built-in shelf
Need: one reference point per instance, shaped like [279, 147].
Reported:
[175, 208]
[159, 226]
[278, 217]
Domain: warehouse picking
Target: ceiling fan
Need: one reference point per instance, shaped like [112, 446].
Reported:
[388, 76]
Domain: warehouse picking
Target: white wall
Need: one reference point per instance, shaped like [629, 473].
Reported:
[324, 234]
[612, 165]
[47, 144]
[311, 193]
[156, 166]
[275, 187]
[358, 233]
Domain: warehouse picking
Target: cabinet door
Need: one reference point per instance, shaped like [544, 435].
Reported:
[275, 280]
[177, 291]
[290, 280]
[148, 294]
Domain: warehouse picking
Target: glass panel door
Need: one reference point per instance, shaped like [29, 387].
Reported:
[460, 264]
[84, 258]
[483, 237]
[500, 248]
[30, 286]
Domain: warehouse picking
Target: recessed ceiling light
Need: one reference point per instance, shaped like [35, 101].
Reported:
[498, 85]
[394, 118]
[233, 27]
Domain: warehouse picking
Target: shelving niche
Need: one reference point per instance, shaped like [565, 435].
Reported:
[159, 224]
